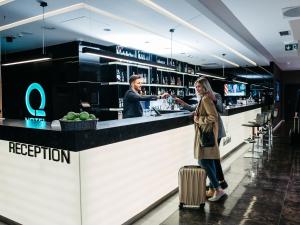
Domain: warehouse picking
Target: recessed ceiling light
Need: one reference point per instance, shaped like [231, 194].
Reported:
[182, 53]
[147, 42]
[107, 29]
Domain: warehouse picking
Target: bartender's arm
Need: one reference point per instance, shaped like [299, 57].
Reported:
[186, 106]
[132, 96]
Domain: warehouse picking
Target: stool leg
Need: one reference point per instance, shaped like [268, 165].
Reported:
[252, 154]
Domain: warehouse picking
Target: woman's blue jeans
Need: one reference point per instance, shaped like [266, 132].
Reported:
[210, 168]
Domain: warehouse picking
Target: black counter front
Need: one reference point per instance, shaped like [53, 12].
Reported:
[107, 132]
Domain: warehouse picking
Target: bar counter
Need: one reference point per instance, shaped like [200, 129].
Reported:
[107, 132]
[234, 109]
[105, 176]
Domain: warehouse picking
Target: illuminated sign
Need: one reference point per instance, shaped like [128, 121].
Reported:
[40, 111]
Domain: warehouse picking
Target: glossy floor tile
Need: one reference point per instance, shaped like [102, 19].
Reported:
[268, 193]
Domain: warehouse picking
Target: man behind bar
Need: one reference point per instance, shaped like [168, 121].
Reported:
[132, 98]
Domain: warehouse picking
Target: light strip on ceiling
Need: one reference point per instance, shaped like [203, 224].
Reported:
[208, 75]
[3, 2]
[241, 82]
[265, 70]
[225, 60]
[167, 13]
[40, 17]
[27, 61]
[126, 59]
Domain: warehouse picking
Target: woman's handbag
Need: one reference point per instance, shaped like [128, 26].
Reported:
[207, 137]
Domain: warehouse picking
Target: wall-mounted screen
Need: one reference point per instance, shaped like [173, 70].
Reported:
[234, 89]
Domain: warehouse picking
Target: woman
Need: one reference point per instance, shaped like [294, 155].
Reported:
[205, 118]
[217, 100]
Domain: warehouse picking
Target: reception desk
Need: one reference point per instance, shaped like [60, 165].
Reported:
[105, 176]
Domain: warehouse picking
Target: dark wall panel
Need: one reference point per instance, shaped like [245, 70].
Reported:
[52, 75]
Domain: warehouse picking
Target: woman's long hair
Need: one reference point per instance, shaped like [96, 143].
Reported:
[205, 84]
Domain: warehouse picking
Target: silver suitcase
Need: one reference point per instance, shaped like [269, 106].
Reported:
[192, 186]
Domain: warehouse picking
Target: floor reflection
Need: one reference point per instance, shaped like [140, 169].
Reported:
[269, 193]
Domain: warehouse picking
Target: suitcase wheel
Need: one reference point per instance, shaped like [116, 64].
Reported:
[180, 205]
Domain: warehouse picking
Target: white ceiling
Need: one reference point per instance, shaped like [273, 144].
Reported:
[244, 30]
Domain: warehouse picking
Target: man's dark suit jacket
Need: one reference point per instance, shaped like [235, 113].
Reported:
[131, 103]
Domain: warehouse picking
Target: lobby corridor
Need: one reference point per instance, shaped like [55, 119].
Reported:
[268, 194]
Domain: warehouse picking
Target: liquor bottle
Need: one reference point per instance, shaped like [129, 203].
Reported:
[178, 81]
[122, 76]
[157, 78]
[118, 75]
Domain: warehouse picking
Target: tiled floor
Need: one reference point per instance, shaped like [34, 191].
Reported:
[261, 192]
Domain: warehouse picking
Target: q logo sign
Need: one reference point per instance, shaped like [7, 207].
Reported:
[40, 111]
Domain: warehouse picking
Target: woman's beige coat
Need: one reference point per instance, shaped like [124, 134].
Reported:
[207, 117]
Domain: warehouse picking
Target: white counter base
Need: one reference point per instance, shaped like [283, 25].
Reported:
[104, 185]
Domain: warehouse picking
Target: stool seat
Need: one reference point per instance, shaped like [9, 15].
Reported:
[251, 124]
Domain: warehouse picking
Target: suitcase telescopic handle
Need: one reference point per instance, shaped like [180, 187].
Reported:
[192, 166]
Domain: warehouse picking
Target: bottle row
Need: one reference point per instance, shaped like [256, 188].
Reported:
[121, 76]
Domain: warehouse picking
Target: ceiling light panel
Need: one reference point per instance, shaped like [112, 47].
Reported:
[183, 22]
[87, 27]
[132, 29]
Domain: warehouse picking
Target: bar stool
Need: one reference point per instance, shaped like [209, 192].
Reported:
[263, 131]
[255, 157]
[267, 132]
[259, 122]
[253, 153]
